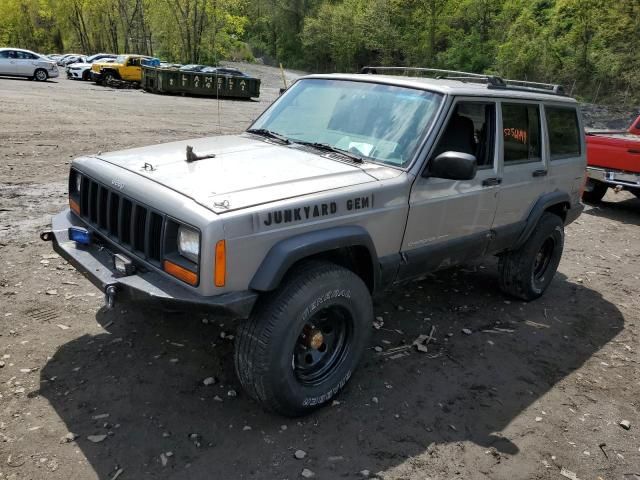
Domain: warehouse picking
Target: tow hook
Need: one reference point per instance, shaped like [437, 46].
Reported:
[110, 296]
[46, 236]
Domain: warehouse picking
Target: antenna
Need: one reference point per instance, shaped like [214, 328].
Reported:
[218, 103]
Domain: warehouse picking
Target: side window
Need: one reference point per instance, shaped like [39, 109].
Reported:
[4, 54]
[564, 133]
[471, 129]
[521, 133]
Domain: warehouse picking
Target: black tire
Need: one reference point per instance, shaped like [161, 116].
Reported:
[40, 75]
[108, 77]
[527, 272]
[85, 75]
[635, 191]
[594, 191]
[279, 356]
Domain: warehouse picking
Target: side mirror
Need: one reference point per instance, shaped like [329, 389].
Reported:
[453, 166]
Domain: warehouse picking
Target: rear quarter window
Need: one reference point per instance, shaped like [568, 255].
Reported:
[564, 132]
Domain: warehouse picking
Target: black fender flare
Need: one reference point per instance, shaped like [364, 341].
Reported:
[543, 204]
[285, 253]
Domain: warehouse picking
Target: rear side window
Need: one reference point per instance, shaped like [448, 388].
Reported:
[4, 54]
[25, 56]
[564, 132]
[521, 133]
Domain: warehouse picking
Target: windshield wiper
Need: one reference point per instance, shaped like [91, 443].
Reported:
[263, 132]
[330, 148]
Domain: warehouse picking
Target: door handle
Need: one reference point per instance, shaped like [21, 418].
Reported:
[634, 152]
[539, 173]
[490, 182]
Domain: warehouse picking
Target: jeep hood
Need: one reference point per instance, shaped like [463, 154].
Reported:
[245, 171]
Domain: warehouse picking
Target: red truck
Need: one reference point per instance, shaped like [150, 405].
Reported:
[613, 160]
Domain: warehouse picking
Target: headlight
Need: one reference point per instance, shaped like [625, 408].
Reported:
[189, 243]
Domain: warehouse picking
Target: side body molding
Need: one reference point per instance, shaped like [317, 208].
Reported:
[287, 252]
[553, 199]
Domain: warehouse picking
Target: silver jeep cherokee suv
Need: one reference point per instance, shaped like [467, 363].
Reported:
[343, 187]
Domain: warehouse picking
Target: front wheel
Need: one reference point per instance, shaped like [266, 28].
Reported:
[527, 272]
[108, 78]
[302, 343]
[41, 75]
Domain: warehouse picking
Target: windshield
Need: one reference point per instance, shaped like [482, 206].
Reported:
[378, 122]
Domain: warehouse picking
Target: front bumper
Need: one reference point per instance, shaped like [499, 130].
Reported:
[53, 73]
[614, 177]
[95, 262]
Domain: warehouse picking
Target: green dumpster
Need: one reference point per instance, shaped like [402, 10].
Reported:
[170, 80]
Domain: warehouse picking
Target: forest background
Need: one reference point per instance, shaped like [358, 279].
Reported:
[586, 45]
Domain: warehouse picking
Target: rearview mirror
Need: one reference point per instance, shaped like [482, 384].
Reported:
[453, 166]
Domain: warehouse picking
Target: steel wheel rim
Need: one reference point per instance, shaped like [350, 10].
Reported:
[322, 345]
[543, 259]
[40, 75]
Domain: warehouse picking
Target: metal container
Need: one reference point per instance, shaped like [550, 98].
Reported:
[166, 80]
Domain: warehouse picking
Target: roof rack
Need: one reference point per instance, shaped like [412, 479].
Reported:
[492, 81]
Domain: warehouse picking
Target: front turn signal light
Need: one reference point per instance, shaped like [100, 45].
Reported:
[182, 273]
[220, 266]
[73, 205]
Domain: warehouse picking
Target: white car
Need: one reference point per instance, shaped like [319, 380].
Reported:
[82, 70]
[16, 62]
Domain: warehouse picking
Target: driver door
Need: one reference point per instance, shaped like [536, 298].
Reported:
[450, 220]
[133, 69]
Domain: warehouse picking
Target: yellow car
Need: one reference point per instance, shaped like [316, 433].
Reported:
[125, 67]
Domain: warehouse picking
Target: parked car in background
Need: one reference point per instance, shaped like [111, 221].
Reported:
[73, 59]
[613, 160]
[61, 59]
[16, 62]
[82, 70]
[124, 67]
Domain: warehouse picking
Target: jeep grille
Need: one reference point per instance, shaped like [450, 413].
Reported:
[130, 224]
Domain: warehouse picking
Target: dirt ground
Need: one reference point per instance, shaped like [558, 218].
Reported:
[89, 393]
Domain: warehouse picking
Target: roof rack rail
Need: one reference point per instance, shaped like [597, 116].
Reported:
[546, 87]
[492, 81]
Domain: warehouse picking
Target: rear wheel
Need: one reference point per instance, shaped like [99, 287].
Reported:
[594, 191]
[527, 272]
[41, 75]
[302, 343]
